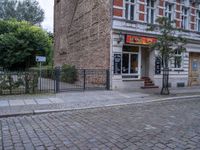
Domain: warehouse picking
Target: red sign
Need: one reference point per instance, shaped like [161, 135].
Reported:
[140, 40]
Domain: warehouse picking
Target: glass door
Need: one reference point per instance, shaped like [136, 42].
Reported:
[134, 63]
[130, 63]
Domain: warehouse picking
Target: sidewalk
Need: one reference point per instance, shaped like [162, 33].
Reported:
[31, 104]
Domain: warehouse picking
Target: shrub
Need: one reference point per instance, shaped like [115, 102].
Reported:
[46, 71]
[68, 73]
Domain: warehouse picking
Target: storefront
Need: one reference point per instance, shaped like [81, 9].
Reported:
[131, 60]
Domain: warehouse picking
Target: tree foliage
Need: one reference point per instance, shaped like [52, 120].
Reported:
[27, 10]
[20, 42]
[168, 40]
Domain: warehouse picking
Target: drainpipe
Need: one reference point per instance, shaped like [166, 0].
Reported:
[111, 44]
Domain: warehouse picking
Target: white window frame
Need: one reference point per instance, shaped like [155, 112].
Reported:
[129, 9]
[198, 20]
[173, 63]
[149, 9]
[185, 25]
[169, 12]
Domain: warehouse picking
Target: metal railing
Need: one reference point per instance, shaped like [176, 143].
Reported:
[53, 81]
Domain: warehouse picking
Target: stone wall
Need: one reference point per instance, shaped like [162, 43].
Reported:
[82, 33]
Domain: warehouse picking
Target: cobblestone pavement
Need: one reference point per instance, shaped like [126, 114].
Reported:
[157, 126]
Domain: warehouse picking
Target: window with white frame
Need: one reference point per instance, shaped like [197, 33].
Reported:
[198, 20]
[150, 11]
[130, 9]
[184, 18]
[178, 59]
[169, 11]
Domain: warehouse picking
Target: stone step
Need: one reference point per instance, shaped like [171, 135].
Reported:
[149, 87]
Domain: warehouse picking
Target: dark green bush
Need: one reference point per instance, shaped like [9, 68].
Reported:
[68, 74]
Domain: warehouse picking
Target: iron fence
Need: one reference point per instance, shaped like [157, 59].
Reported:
[52, 81]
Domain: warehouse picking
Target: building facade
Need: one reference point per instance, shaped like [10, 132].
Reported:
[111, 34]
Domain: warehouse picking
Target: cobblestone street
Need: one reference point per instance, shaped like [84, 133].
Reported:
[164, 125]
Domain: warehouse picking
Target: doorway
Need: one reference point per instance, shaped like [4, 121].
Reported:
[130, 62]
[194, 69]
[145, 61]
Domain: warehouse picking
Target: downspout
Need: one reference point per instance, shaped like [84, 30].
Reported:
[111, 44]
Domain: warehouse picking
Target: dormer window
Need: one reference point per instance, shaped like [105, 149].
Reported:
[130, 9]
[150, 11]
[169, 11]
[184, 18]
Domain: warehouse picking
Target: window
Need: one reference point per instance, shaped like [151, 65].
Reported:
[130, 9]
[184, 19]
[130, 61]
[178, 59]
[198, 21]
[169, 11]
[150, 11]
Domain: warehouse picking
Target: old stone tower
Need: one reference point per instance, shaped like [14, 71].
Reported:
[83, 33]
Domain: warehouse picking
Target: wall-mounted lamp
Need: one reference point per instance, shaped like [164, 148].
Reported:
[120, 39]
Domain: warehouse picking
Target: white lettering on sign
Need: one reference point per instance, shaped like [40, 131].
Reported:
[40, 59]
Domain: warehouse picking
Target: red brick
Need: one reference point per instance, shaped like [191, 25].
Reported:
[142, 8]
[161, 3]
[161, 12]
[178, 15]
[118, 3]
[141, 17]
[178, 24]
[117, 12]
[192, 26]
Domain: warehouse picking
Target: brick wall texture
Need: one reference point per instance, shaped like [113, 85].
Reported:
[82, 33]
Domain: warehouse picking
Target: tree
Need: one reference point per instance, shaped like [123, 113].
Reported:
[26, 10]
[169, 42]
[20, 42]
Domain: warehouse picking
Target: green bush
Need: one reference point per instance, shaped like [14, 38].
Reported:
[12, 83]
[46, 71]
[31, 82]
[68, 74]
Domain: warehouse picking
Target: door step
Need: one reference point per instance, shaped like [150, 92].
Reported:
[148, 83]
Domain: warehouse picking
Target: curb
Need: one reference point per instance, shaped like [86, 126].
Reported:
[37, 112]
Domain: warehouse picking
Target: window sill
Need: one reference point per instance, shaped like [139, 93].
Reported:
[178, 69]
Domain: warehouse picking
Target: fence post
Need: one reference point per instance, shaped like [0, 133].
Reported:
[84, 79]
[57, 78]
[108, 79]
[26, 83]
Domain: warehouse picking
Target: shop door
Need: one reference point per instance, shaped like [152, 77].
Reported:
[130, 64]
[194, 69]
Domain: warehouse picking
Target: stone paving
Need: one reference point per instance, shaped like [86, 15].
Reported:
[27, 104]
[171, 125]
[72, 100]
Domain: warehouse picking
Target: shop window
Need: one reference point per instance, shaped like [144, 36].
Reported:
[169, 11]
[130, 9]
[184, 18]
[117, 64]
[198, 20]
[150, 11]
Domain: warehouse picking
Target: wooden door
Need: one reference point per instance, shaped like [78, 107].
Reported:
[194, 69]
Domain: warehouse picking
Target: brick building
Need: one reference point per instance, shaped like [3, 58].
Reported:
[111, 34]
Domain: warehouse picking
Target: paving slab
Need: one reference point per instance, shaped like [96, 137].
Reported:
[56, 100]
[4, 103]
[30, 102]
[16, 102]
[43, 101]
